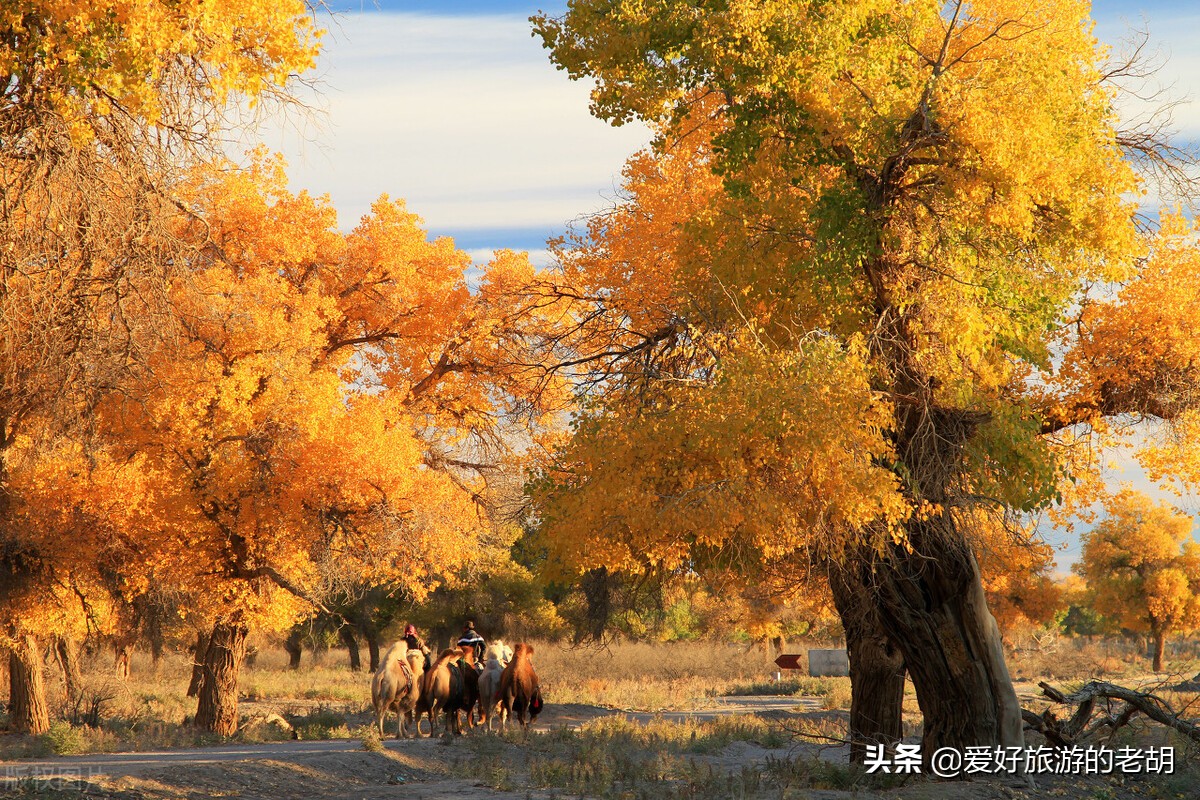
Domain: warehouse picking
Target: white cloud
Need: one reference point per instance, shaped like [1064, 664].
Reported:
[464, 117]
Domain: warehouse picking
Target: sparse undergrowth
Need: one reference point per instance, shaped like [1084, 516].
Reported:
[326, 700]
[615, 758]
[834, 692]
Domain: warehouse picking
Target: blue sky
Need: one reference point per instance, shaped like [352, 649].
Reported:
[448, 7]
[455, 107]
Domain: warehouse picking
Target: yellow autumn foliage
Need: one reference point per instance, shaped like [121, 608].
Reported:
[778, 451]
[1142, 568]
[86, 61]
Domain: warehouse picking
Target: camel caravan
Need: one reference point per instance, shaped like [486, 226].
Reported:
[412, 684]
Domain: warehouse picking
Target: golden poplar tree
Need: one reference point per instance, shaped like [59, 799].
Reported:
[822, 319]
[103, 104]
[318, 409]
[1142, 568]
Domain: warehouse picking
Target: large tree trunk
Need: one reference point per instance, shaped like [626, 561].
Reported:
[932, 605]
[199, 652]
[928, 591]
[599, 588]
[348, 637]
[27, 710]
[294, 647]
[876, 666]
[217, 708]
[66, 653]
[1160, 644]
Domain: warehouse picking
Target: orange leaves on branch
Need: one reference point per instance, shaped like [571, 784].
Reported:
[1015, 568]
[1138, 355]
[1140, 352]
[149, 59]
[323, 407]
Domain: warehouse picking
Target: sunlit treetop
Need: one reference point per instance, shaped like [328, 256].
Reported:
[320, 407]
[163, 62]
[849, 173]
[895, 124]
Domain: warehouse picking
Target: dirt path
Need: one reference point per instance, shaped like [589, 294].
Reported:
[440, 769]
[115, 765]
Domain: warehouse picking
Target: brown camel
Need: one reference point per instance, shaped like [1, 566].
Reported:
[443, 690]
[519, 691]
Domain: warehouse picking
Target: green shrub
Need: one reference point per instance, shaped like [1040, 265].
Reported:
[321, 723]
[64, 740]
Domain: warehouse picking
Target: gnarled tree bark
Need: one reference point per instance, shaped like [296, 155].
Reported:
[199, 651]
[66, 653]
[217, 709]
[372, 637]
[934, 610]
[27, 712]
[350, 640]
[928, 590]
[876, 666]
[1160, 645]
[294, 648]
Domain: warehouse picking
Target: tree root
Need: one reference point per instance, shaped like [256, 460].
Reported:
[1080, 727]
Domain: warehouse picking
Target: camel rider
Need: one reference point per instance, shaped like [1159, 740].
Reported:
[471, 638]
[414, 643]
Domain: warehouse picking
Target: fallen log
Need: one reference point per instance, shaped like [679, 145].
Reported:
[1080, 727]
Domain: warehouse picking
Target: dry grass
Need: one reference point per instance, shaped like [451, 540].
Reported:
[1080, 659]
[152, 711]
[677, 676]
[615, 758]
[326, 699]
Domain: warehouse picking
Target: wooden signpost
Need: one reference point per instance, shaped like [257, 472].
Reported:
[788, 661]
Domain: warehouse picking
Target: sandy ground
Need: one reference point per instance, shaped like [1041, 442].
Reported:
[117, 765]
[423, 769]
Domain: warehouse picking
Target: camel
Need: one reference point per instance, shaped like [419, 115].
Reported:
[496, 659]
[416, 663]
[442, 690]
[519, 691]
[396, 686]
[470, 680]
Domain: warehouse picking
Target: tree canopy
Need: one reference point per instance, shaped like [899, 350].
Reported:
[1142, 568]
[105, 106]
[854, 263]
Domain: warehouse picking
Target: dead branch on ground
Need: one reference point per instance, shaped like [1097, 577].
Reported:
[1080, 726]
